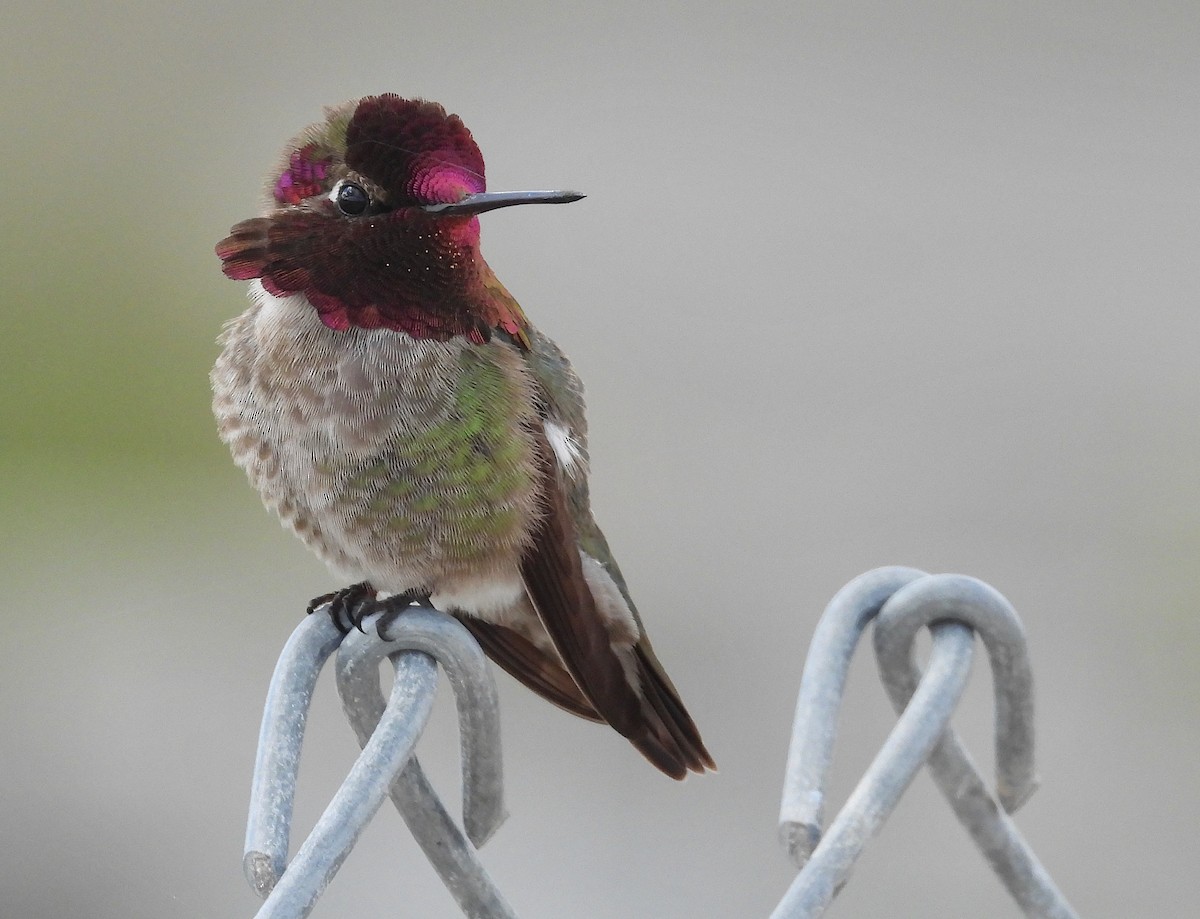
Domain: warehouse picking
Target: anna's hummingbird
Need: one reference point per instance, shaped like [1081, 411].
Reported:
[394, 407]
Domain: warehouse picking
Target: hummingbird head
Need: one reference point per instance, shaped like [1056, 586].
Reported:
[372, 215]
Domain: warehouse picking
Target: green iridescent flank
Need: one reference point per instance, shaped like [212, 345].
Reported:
[457, 478]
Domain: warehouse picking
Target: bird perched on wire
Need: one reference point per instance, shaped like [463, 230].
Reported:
[394, 407]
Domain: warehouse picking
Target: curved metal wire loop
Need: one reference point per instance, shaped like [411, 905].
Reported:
[964, 599]
[448, 849]
[466, 667]
[905, 600]
[388, 734]
[901, 600]
[967, 600]
[361, 794]
[285, 715]
[802, 811]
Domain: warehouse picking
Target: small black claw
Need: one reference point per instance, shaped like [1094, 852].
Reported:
[348, 606]
[394, 606]
[356, 613]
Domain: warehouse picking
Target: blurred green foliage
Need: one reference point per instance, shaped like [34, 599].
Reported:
[104, 364]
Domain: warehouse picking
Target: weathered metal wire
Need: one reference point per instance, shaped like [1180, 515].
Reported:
[901, 601]
[450, 850]
[966, 600]
[954, 607]
[821, 686]
[285, 715]
[886, 779]
[361, 794]
[388, 734]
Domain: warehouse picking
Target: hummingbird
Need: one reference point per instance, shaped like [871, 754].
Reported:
[394, 407]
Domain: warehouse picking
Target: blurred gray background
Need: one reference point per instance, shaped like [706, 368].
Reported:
[854, 284]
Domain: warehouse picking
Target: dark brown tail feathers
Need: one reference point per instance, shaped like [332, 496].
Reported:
[652, 715]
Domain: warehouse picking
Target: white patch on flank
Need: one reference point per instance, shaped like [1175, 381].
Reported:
[564, 445]
[487, 599]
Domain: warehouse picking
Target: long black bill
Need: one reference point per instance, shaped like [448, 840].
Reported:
[490, 200]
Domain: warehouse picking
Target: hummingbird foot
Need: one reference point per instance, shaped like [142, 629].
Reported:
[393, 607]
[348, 606]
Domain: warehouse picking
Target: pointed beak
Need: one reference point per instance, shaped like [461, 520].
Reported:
[490, 200]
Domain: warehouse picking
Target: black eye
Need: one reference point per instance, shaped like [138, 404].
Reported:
[352, 200]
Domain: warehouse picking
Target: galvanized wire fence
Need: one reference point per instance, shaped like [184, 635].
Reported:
[900, 601]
